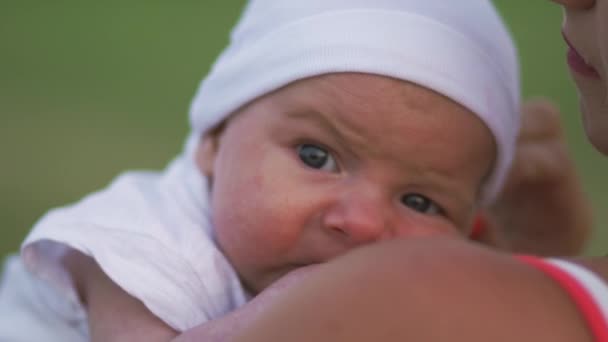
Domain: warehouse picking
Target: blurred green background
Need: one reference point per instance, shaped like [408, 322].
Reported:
[88, 90]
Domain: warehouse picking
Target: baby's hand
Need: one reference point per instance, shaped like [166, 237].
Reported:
[542, 209]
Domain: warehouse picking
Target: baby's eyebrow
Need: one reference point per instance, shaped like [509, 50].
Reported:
[309, 115]
[340, 134]
[320, 120]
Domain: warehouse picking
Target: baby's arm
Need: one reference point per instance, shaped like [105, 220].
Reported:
[114, 315]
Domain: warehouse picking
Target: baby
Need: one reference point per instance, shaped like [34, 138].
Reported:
[325, 125]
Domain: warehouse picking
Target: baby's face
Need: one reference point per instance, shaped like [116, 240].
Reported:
[334, 162]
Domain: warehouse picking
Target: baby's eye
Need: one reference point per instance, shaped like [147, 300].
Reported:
[420, 203]
[317, 157]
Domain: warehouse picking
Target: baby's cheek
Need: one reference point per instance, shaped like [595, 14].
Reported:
[429, 226]
[256, 235]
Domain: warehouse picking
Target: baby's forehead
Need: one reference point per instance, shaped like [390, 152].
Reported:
[365, 107]
[362, 91]
[357, 86]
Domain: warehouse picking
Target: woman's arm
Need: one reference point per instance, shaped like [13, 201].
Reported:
[417, 289]
[423, 290]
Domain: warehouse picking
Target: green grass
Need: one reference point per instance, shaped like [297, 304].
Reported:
[88, 90]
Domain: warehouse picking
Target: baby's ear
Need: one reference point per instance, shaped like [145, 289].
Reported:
[207, 150]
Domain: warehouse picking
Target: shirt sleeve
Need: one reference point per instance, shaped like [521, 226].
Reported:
[30, 310]
[137, 234]
[587, 290]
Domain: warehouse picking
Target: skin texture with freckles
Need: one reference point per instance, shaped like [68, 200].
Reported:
[387, 141]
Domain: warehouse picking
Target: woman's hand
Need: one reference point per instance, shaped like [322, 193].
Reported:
[543, 209]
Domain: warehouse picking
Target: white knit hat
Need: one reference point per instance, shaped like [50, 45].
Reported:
[459, 48]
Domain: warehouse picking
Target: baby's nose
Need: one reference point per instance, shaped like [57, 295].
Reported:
[357, 220]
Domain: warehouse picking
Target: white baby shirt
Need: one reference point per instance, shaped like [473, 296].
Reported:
[151, 234]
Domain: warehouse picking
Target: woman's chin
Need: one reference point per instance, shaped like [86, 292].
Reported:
[598, 137]
[600, 144]
[595, 121]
